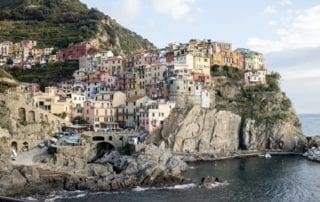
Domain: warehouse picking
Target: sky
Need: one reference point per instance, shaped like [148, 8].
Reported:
[287, 32]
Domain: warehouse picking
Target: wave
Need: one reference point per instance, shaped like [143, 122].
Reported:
[30, 199]
[66, 194]
[216, 184]
[183, 186]
[141, 188]
[176, 187]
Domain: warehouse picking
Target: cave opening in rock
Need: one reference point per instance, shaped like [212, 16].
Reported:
[103, 148]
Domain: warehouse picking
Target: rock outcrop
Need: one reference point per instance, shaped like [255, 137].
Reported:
[280, 136]
[243, 118]
[223, 133]
[203, 131]
[313, 154]
[152, 166]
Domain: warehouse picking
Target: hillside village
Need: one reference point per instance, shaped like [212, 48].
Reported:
[136, 91]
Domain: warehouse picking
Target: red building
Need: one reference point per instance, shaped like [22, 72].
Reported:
[74, 51]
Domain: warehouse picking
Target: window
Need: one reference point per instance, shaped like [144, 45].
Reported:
[110, 138]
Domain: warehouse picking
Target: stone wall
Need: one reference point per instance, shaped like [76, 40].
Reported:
[29, 124]
[69, 157]
[23, 111]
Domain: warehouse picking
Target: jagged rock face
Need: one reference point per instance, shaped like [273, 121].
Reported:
[206, 131]
[283, 136]
[203, 131]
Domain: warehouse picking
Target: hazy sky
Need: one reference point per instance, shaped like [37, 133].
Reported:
[286, 31]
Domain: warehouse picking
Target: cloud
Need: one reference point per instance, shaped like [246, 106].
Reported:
[176, 9]
[124, 11]
[131, 7]
[285, 2]
[271, 9]
[302, 31]
[272, 22]
[300, 76]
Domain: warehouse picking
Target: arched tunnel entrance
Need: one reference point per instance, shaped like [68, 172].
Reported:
[103, 148]
[14, 148]
[25, 147]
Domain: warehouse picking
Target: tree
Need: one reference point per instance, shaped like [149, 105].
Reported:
[79, 120]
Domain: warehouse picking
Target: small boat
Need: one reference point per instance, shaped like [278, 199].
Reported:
[267, 155]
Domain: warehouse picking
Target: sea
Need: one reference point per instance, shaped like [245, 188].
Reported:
[256, 179]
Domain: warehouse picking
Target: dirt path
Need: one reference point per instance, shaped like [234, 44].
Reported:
[27, 158]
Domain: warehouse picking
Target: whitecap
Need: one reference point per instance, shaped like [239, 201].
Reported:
[31, 199]
[183, 186]
[216, 184]
[79, 196]
[53, 198]
[141, 188]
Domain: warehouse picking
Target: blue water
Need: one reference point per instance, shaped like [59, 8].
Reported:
[281, 178]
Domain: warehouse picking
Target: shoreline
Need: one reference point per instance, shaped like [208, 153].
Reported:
[194, 157]
[9, 199]
[237, 156]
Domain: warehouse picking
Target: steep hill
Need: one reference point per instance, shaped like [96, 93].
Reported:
[59, 22]
[243, 119]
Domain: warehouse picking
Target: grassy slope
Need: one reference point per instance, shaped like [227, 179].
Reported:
[59, 22]
[54, 73]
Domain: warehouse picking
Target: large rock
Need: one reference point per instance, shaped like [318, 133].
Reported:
[313, 154]
[282, 136]
[203, 131]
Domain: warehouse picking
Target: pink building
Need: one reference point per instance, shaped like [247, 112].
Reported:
[98, 77]
[153, 114]
[74, 51]
[104, 110]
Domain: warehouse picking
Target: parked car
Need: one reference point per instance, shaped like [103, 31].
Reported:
[41, 145]
[53, 140]
[72, 140]
[47, 142]
[69, 133]
[58, 135]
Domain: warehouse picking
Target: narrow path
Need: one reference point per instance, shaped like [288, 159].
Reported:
[27, 158]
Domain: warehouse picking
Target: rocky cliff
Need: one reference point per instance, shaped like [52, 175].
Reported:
[152, 166]
[245, 118]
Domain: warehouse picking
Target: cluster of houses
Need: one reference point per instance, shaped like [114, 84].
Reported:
[25, 54]
[141, 89]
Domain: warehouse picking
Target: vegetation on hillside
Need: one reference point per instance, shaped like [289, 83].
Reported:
[46, 76]
[263, 103]
[5, 117]
[229, 72]
[5, 84]
[58, 22]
